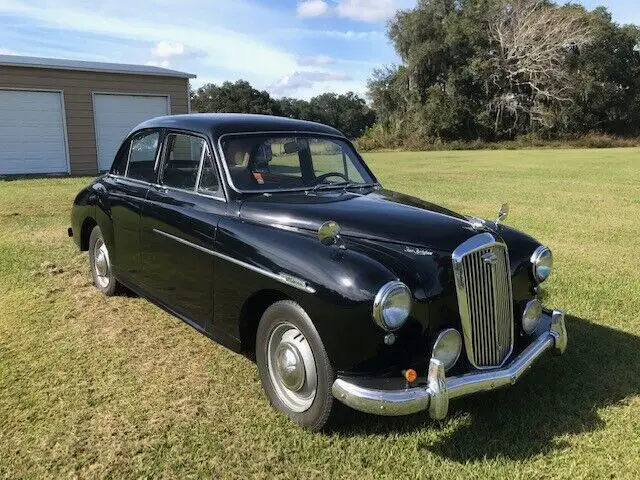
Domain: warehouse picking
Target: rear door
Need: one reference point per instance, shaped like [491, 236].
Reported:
[129, 182]
[179, 224]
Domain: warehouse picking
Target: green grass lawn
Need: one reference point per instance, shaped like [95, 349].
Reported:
[97, 387]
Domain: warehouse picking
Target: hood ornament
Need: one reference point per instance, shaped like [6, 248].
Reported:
[476, 223]
[502, 213]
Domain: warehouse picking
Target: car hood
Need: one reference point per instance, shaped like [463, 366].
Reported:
[381, 215]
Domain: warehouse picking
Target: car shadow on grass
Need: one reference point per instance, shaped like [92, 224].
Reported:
[559, 396]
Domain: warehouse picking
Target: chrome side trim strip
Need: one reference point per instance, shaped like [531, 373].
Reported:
[280, 277]
[437, 392]
[185, 242]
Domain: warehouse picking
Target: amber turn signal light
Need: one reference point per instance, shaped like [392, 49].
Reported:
[410, 375]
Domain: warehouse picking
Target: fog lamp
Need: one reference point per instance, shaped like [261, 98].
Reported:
[447, 347]
[531, 316]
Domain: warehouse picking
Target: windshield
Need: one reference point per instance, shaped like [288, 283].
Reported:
[278, 162]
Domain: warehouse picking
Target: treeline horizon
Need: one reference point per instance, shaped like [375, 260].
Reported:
[479, 71]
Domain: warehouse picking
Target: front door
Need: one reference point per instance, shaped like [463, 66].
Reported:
[179, 223]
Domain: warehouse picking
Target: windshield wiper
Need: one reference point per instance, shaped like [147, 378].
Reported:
[343, 185]
[325, 186]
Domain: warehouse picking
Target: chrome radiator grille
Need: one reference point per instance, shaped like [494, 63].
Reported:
[483, 284]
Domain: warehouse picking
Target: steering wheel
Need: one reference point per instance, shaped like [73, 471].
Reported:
[324, 176]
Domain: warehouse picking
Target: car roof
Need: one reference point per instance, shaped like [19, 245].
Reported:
[217, 124]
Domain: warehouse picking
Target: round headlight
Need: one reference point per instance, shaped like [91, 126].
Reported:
[531, 316]
[392, 305]
[447, 347]
[542, 261]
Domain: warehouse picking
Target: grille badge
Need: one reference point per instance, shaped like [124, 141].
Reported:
[490, 258]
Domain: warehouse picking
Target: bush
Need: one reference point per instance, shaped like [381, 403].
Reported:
[376, 138]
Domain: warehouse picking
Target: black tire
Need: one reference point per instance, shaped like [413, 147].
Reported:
[318, 414]
[107, 284]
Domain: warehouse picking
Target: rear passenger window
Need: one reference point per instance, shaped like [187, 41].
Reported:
[182, 161]
[142, 156]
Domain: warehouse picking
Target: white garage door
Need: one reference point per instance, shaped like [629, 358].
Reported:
[116, 115]
[32, 134]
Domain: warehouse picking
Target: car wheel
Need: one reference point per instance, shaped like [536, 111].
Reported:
[100, 261]
[294, 367]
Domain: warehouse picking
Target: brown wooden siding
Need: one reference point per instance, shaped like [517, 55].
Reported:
[78, 87]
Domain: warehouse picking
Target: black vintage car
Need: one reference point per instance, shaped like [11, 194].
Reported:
[273, 237]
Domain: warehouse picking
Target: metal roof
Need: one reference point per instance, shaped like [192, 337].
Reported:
[80, 65]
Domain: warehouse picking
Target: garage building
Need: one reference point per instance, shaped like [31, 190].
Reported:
[69, 117]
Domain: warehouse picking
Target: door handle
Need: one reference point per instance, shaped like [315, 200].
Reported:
[160, 188]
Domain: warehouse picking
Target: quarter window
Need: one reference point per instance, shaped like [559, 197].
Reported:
[142, 156]
[120, 163]
[209, 181]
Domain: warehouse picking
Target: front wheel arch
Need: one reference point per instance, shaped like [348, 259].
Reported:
[250, 316]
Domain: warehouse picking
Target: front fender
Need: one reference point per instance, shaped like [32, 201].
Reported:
[344, 283]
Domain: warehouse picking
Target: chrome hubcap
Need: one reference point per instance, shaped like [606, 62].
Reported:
[101, 263]
[292, 367]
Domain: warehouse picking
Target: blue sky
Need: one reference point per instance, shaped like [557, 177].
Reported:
[295, 48]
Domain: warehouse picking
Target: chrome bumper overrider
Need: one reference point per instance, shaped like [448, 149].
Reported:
[439, 390]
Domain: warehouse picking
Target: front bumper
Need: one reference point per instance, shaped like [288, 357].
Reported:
[435, 395]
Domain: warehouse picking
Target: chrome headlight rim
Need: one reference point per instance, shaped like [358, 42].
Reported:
[380, 299]
[536, 257]
[440, 338]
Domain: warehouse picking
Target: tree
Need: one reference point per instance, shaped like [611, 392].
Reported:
[532, 43]
[494, 69]
[347, 112]
[237, 97]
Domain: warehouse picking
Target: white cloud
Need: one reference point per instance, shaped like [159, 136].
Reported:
[167, 49]
[316, 60]
[312, 8]
[367, 10]
[225, 49]
[305, 80]
[6, 51]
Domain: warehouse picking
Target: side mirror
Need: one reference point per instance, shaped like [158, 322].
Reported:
[502, 213]
[329, 234]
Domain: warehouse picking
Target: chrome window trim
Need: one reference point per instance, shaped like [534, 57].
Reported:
[280, 277]
[134, 180]
[223, 160]
[222, 197]
[157, 185]
[475, 243]
[159, 150]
